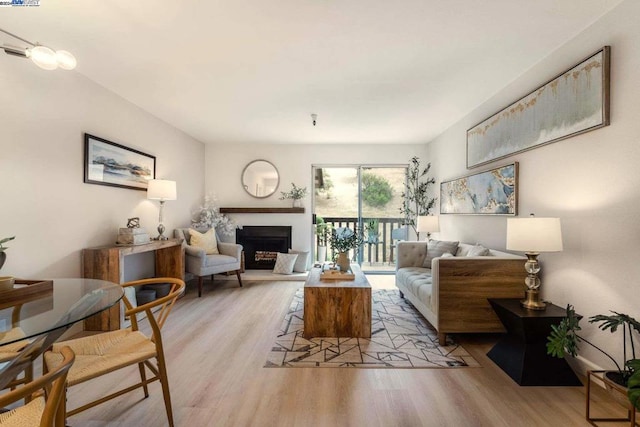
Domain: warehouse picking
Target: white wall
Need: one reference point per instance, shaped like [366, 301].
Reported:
[224, 165]
[591, 181]
[45, 203]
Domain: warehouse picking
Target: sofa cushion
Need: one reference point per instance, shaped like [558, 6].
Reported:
[478, 250]
[418, 281]
[436, 248]
[206, 241]
[285, 263]
[302, 261]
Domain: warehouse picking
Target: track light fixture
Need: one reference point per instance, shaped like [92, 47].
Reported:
[314, 117]
[44, 57]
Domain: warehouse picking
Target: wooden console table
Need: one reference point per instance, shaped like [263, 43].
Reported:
[107, 263]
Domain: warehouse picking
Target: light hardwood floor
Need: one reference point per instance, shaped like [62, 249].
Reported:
[216, 347]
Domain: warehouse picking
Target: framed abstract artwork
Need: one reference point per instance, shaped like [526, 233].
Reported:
[492, 192]
[108, 163]
[572, 103]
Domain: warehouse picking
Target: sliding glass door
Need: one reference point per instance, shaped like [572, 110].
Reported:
[364, 196]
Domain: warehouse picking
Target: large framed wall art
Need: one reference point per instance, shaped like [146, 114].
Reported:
[492, 192]
[108, 163]
[574, 102]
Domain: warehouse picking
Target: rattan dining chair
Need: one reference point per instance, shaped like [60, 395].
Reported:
[101, 354]
[40, 411]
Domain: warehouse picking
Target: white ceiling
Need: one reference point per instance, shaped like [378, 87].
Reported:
[375, 71]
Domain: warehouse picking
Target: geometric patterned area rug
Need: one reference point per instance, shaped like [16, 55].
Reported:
[400, 338]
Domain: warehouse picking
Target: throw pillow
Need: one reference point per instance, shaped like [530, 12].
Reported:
[301, 262]
[435, 249]
[206, 241]
[285, 263]
[478, 250]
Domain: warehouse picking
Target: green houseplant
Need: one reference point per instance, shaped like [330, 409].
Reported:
[323, 231]
[3, 256]
[342, 240]
[417, 201]
[296, 194]
[564, 339]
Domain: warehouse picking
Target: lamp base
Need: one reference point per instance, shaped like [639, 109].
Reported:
[532, 300]
[161, 235]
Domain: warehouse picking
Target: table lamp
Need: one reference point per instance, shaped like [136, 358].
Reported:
[428, 224]
[162, 190]
[533, 235]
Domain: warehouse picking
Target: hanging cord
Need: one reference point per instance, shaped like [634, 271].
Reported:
[16, 37]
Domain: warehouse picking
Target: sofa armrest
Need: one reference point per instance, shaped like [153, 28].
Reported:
[230, 249]
[194, 252]
[411, 254]
[463, 284]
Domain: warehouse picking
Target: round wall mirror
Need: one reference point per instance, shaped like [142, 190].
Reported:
[260, 179]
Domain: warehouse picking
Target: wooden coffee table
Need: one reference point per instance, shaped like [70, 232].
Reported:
[337, 308]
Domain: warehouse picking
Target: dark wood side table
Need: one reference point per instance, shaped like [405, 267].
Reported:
[522, 351]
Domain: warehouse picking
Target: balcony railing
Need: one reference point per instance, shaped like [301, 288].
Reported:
[380, 242]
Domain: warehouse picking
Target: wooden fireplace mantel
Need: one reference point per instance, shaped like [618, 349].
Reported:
[262, 210]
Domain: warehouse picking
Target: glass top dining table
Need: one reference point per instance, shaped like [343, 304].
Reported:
[68, 302]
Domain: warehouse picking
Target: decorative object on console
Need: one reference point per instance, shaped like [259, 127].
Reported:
[133, 222]
[572, 103]
[342, 240]
[208, 216]
[6, 283]
[564, 339]
[427, 224]
[3, 256]
[260, 179]
[133, 236]
[162, 190]
[43, 56]
[533, 235]
[417, 201]
[492, 192]
[108, 163]
[296, 194]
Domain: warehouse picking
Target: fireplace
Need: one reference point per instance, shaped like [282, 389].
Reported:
[262, 243]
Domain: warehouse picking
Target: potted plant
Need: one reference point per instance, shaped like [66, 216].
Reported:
[323, 231]
[296, 194]
[342, 240]
[564, 339]
[416, 194]
[3, 256]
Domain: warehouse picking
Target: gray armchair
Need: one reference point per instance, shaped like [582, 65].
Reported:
[200, 264]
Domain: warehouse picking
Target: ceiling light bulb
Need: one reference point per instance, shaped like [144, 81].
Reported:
[66, 60]
[43, 57]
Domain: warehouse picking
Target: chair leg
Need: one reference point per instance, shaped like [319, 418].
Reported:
[239, 279]
[199, 286]
[143, 377]
[164, 381]
[212, 277]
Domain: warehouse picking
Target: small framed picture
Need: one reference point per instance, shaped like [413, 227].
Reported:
[108, 163]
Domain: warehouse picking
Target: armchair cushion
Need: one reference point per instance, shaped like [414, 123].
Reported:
[206, 241]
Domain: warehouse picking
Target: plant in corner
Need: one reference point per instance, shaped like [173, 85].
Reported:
[564, 339]
[296, 193]
[208, 216]
[342, 240]
[416, 195]
[323, 231]
[3, 256]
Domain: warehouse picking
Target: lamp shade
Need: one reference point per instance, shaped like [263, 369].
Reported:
[161, 189]
[534, 234]
[428, 223]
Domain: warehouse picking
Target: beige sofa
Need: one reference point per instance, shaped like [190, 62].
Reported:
[452, 294]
